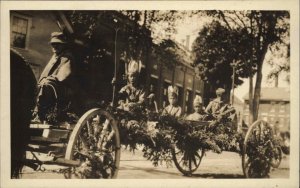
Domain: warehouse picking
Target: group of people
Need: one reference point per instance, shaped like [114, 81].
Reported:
[133, 94]
[56, 86]
[216, 107]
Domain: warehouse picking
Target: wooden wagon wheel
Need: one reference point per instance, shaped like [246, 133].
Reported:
[257, 152]
[95, 141]
[187, 162]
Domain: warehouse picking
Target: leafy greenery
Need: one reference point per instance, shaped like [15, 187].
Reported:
[134, 130]
[162, 132]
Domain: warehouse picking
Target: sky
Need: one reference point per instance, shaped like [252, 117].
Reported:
[191, 27]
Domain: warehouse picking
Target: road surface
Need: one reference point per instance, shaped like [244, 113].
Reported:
[135, 166]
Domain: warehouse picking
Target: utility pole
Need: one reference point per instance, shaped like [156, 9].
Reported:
[116, 66]
[234, 64]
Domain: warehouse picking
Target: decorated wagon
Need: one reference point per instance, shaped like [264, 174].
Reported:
[93, 144]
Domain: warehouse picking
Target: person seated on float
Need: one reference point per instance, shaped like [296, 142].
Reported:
[132, 94]
[173, 108]
[57, 84]
[199, 113]
[220, 109]
[216, 104]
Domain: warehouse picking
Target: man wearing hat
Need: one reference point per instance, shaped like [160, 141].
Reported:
[198, 115]
[57, 79]
[215, 105]
[173, 108]
[132, 94]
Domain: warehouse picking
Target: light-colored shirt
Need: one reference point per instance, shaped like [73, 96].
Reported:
[61, 68]
[214, 106]
[172, 110]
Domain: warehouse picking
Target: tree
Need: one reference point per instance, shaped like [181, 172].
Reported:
[263, 30]
[214, 50]
[279, 61]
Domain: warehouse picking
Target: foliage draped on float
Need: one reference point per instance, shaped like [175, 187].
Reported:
[162, 132]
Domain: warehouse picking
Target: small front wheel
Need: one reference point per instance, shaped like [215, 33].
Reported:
[187, 162]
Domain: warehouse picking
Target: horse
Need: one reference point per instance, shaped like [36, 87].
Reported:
[23, 91]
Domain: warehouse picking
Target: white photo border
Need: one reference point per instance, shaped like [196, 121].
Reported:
[292, 6]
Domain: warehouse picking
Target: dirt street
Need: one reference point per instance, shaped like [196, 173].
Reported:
[135, 166]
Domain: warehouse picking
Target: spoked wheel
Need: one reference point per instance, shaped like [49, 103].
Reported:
[257, 150]
[277, 156]
[95, 142]
[187, 162]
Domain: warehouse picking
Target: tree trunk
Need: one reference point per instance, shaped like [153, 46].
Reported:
[259, 75]
[250, 100]
[251, 76]
[257, 90]
[147, 51]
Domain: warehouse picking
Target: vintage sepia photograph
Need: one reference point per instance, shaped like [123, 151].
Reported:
[189, 94]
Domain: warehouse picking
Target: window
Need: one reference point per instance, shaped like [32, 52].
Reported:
[180, 95]
[272, 119]
[281, 121]
[165, 97]
[282, 107]
[272, 107]
[19, 31]
[189, 101]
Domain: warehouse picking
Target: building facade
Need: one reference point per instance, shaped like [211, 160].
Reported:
[274, 107]
[183, 76]
[30, 34]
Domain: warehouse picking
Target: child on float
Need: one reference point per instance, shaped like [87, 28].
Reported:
[173, 108]
[132, 94]
[199, 113]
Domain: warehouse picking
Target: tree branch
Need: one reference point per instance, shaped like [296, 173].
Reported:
[224, 19]
[240, 19]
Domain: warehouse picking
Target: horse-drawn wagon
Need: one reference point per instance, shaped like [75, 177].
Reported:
[91, 145]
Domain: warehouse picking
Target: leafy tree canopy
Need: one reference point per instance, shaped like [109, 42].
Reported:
[261, 32]
[214, 51]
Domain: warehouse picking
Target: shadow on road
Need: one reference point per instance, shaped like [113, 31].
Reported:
[218, 176]
[149, 170]
[164, 172]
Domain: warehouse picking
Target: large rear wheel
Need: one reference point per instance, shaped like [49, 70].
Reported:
[257, 152]
[95, 142]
